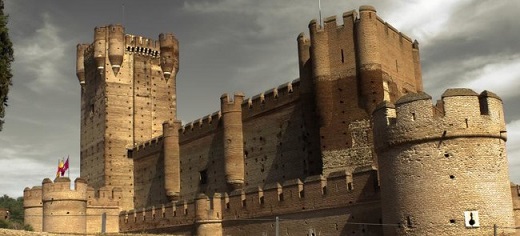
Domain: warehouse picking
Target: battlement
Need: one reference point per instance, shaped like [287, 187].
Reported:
[365, 13]
[32, 197]
[270, 99]
[339, 189]
[330, 23]
[460, 113]
[104, 197]
[142, 46]
[60, 189]
[200, 127]
[145, 148]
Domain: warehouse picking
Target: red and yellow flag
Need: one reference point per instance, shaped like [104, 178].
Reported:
[60, 168]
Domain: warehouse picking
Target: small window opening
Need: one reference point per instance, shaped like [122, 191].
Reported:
[203, 177]
[413, 116]
[409, 222]
[349, 186]
[342, 57]
[452, 176]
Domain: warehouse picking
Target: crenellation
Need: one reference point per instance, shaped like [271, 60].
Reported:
[460, 117]
[330, 23]
[270, 100]
[349, 16]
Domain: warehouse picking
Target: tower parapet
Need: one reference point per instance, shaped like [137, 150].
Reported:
[453, 152]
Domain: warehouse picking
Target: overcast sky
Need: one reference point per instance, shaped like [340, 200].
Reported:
[227, 46]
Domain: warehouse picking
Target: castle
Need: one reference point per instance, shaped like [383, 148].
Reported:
[352, 147]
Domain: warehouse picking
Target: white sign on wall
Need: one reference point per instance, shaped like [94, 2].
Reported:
[471, 219]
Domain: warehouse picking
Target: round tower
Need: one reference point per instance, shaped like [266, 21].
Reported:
[450, 157]
[233, 140]
[370, 73]
[207, 224]
[116, 46]
[100, 47]
[169, 55]
[319, 56]
[33, 207]
[64, 210]
[172, 176]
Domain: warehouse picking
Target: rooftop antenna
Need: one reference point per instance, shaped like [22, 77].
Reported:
[319, 7]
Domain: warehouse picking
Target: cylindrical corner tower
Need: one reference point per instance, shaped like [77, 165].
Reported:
[64, 210]
[172, 176]
[206, 224]
[319, 55]
[233, 140]
[370, 74]
[33, 207]
[454, 161]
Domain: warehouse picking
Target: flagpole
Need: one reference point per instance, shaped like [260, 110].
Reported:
[319, 7]
[57, 172]
[68, 169]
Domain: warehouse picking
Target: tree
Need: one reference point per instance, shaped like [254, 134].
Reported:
[15, 207]
[6, 57]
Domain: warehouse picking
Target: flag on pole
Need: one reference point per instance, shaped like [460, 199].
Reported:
[60, 168]
[65, 166]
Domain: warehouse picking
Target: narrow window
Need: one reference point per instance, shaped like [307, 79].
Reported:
[342, 57]
[203, 177]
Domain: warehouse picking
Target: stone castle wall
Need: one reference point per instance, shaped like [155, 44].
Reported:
[276, 148]
[303, 206]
